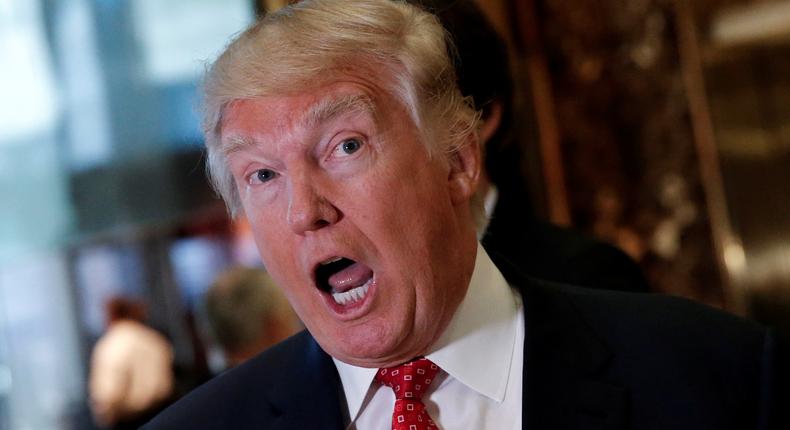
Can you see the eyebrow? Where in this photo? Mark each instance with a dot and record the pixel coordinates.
(322, 111)
(235, 143)
(328, 109)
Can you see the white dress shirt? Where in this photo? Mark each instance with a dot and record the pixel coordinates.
(131, 371)
(481, 357)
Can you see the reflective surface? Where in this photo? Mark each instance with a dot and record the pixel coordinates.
(100, 149)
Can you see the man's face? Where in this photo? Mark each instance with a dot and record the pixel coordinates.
(370, 237)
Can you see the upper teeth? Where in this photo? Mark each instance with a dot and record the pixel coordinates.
(352, 295)
(331, 260)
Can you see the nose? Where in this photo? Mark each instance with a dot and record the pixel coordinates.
(308, 209)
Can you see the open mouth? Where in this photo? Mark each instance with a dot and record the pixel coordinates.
(346, 280)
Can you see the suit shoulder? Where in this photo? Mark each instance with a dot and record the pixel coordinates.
(238, 394)
(660, 313)
(656, 326)
(672, 351)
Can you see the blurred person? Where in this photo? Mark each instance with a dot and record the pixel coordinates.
(247, 313)
(131, 374)
(515, 237)
(337, 128)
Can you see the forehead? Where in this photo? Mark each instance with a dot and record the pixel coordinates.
(259, 119)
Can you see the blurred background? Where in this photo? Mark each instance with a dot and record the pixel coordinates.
(659, 126)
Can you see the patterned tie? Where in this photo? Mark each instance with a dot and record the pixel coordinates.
(409, 381)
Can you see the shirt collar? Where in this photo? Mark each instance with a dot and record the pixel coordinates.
(489, 204)
(490, 200)
(485, 321)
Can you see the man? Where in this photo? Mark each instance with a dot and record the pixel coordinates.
(247, 313)
(336, 126)
(515, 237)
(131, 375)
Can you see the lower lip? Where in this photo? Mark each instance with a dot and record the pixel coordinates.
(352, 310)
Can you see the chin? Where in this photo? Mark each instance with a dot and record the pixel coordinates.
(366, 348)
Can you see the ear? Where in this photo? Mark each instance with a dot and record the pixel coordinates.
(490, 122)
(465, 170)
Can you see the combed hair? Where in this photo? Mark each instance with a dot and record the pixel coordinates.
(313, 42)
(239, 302)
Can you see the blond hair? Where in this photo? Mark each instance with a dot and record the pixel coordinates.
(240, 301)
(309, 43)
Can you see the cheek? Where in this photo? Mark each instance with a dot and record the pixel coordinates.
(416, 200)
(258, 199)
(275, 248)
(285, 272)
(265, 213)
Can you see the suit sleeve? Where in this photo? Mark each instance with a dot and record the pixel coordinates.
(775, 383)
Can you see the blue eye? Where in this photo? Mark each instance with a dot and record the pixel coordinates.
(350, 146)
(265, 175)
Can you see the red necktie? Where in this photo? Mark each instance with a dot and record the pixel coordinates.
(409, 381)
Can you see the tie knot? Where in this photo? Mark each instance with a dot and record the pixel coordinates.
(409, 380)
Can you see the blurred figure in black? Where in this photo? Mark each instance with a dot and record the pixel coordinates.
(248, 313)
(515, 239)
(131, 376)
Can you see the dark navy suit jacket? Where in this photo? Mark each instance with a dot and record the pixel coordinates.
(517, 239)
(592, 360)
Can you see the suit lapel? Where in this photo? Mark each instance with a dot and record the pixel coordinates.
(563, 362)
(563, 359)
(314, 398)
